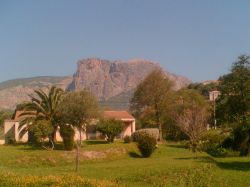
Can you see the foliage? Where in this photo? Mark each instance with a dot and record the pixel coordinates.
(78, 109)
(67, 133)
(234, 102)
(191, 115)
(4, 114)
(174, 133)
(204, 89)
(127, 139)
(153, 132)
(212, 142)
(238, 139)
(146, 144)
(40, 130)
(233, 106)
(151, 96)
(110, 128)
(43, 106)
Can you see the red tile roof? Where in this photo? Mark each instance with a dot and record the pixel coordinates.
(118, 115)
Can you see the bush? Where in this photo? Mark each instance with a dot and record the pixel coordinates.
(173, 132)
(11, 140)
(228, 142)
(39, 131)
(153, 132)
(110, 128)
(67, 133)
(146, 145)
(127, 139)
(212, 143)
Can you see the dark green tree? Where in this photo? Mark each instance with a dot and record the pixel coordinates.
(150, 98)
(234, 103)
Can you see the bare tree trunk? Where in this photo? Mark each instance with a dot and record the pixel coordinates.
(80, 132)
(160, 132)
(77, 157)
(248, 146)
(52, 144)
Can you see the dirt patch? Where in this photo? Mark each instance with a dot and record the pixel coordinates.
(92, 155)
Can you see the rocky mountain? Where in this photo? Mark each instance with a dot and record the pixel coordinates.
(112, 82)
(107, 79)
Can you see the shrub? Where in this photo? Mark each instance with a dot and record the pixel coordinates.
(11, 140)
(212, 143)
(110, 128)
(146, 145)
(127, 139)
(228, 142)
(67, 133)
(173, 132)
(153, 132)
(40, 130)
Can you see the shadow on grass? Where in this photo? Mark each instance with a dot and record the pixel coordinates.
(29, 147)
(95, 142)
(134, 154)
(177, 146)
(197, 158)
(240, 166)
(228, 165)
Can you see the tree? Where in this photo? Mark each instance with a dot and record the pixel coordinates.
(234, 102)
(150, 97)
(110, 128)
(43, 106)
(191, 115)
(78, 109)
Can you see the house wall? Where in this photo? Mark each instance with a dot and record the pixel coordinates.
(129, 127)
(11, 131)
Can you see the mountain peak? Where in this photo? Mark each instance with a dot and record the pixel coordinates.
(109, 78)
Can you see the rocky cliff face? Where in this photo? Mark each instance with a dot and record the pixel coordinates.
(112, 82)
(107, 79)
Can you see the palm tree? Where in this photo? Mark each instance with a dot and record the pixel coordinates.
(42, 107)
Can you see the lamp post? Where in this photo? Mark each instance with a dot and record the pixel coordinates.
(213, 95)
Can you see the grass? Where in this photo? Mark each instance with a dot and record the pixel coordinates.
(119, 163)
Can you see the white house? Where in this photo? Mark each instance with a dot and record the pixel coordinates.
(12, 132)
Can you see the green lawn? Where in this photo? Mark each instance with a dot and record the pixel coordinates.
(170, 165)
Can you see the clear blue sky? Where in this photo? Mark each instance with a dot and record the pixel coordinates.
(197, 39)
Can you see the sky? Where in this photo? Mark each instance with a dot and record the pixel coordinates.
(196, 39)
